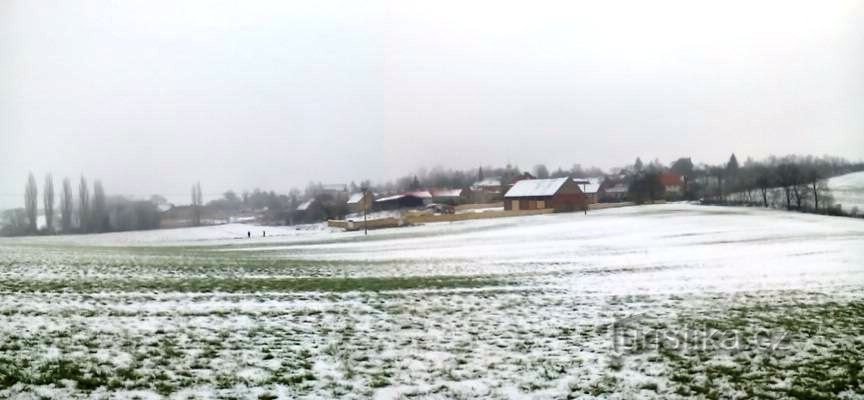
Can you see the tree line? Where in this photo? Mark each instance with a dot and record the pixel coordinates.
(78, 214)
(790, 182)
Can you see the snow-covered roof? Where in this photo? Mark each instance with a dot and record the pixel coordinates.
(446, 192)
(305, 205)
(493, 181)
(423, 194)
(536, 187)
(389, 198)
(588, 185)
(355, 198)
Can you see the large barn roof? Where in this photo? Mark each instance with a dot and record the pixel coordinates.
(536, 187)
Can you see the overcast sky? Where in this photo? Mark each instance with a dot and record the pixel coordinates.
(151, 96)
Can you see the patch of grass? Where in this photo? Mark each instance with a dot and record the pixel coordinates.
(246, 285)
(832, 366)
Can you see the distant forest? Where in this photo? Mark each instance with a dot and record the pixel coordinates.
(792, 182)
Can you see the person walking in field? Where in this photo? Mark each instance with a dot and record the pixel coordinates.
(263, 233)
(248, 235)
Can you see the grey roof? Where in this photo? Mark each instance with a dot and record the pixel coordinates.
(536, 187)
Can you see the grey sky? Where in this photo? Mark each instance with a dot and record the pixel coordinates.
(151, 96)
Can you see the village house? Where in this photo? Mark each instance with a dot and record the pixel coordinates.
(560, 194)
(673, 183)
(487, 190)
(308, 211)
(613, 190)
(360, 201)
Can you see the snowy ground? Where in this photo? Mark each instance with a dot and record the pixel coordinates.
(848, 190)
(666, 301)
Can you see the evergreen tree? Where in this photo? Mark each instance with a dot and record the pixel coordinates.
(732, 173)
(31, 202)
(48, 202)
(83, 205)
(66, 206)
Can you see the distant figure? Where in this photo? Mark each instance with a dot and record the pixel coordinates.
(249, 234)
(264, 233)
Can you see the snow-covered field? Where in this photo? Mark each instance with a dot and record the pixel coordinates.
(665, 301)
(848, 190)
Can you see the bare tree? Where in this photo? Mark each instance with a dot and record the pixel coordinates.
(83, 206)
(31, 202)
(764, 181)
(48, 202)
(66, 206)
(813, 176)
(787, 177)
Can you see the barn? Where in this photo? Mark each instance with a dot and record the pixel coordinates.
(360, 201)
(450, 196)
(560, 194)
(414, 199)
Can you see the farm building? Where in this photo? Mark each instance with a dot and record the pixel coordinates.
(405, 200)
(360, 201)
(450, 196)
(589, 187)
(487, 190)
(612, 191)
(308, 211)
(561, 194)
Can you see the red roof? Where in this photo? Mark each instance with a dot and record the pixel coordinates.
(671, 179)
